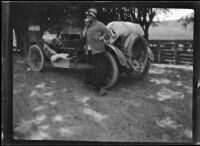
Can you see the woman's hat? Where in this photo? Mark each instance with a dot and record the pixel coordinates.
(92, 12)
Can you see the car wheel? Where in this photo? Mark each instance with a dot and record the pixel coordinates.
(36, 58)
(111, 71)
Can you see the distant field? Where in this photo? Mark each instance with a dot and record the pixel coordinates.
(171, 30)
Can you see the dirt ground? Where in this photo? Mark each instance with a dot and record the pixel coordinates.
(56, 105)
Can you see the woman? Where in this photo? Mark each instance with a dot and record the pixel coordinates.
(96, 34)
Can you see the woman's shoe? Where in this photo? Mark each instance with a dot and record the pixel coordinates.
(102, 92)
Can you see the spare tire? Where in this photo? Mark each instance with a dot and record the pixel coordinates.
(137, 45)
(137, 49)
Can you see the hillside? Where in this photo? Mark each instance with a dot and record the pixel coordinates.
(170, 30)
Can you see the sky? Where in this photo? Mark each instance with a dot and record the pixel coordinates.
(174, 14)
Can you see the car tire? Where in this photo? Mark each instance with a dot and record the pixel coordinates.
(36, 58)
(114, 73)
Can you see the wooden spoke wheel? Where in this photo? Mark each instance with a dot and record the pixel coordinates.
(36, 58)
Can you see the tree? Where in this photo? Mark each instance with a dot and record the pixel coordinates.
(59, 15)
(22, 16)
(49, 17)
(189, 19)
(142, 16)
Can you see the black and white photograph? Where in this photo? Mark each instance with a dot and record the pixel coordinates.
(100, 71)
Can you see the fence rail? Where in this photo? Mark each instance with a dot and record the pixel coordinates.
(172, 51)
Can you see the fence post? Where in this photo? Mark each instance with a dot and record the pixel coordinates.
(159, 52)
(175, 54)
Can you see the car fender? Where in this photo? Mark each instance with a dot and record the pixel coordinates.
(119, 54)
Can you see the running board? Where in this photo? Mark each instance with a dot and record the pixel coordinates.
(68, 63)
(61, 63)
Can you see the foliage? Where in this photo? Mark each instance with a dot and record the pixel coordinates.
(189, 19)
(59, 16)
(142, 16)
(55, 17)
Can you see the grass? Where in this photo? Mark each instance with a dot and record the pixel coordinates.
(56, 105)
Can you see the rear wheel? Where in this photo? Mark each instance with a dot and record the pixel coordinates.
(36, 58)
(111, 74)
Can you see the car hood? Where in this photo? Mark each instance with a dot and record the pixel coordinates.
(67, 30)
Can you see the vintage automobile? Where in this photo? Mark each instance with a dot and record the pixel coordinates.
(127, 51)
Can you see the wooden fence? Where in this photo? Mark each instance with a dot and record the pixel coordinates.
(172, 51)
